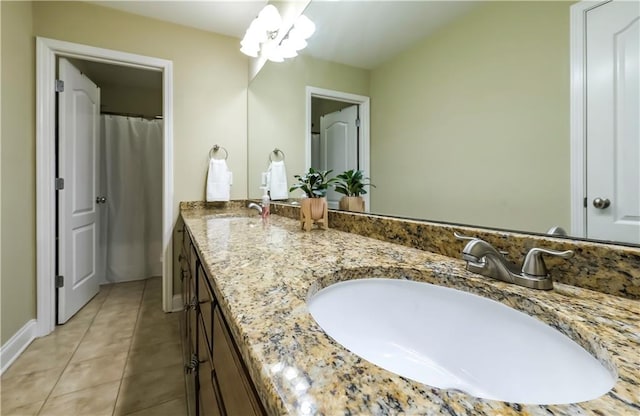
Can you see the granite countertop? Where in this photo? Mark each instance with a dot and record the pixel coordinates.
(262, 274)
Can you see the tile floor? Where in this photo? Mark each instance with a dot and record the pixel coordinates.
(119, 355)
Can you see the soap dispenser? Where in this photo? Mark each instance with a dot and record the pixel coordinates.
(266, 202)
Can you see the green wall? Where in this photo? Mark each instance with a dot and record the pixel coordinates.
(471, 125)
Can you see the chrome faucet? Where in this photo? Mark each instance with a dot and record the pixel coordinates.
(253, 205)
(484, 259)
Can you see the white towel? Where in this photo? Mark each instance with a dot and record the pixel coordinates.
(219, 180)
(277, 180)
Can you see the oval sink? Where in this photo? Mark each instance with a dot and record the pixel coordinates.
(451, 339)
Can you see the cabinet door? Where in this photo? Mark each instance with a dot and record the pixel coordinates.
(206, 301)
(207, 398)
(237, 393)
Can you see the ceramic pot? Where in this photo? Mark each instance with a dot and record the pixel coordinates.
(313, 211)
(352, 203)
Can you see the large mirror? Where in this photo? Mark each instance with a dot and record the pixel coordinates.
(469, 108)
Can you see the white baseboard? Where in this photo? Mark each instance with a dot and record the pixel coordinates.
(12, 349)
(176, 303)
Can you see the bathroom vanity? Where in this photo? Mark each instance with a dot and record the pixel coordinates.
(254, 348)
(216, 376)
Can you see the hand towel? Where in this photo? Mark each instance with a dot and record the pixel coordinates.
(277, 180)
(219, 180)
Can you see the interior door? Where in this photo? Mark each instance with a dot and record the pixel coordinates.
(339, 145)
(613, 117)
(78, 130)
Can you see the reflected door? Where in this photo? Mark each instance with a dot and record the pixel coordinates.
(339, 145)
(613, 117)
(78, 129)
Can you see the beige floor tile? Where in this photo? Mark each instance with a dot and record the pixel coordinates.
(73, 328)
(153, 333)
(88, 373)
(30, 409)
(41, 357)
(129, 287)
(113, 325)
(111, 308)
(100, 346)
(94, 401)
(123, 299)
(116, 318)
(24, 389)
(149, 302)
(176, 407)
(145, 390)
(61, 339)
(153, 309)
(153, 357)
(150, 318)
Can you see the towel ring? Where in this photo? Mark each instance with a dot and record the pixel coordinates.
(215, 149)
(275, 152)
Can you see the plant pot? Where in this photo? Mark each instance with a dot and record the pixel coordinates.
(352, 203)
(313, 211)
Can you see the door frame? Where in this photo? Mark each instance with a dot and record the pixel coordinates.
(364, 153)
(578, 116)
(47, 50)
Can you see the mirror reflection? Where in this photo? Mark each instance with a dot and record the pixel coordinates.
(469, 111)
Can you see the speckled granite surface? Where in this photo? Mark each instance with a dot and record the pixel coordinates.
(612, 269)
(263, 272)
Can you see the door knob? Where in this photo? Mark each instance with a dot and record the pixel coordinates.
(101, 200)
(601, 203)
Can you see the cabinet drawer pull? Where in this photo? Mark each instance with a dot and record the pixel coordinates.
(192, 365)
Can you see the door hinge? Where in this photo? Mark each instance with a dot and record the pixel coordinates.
(59, 184)
(59, 85)
(357, 122)
(584, 201)
(59, 281)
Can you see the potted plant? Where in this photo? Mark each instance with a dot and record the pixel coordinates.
(313, 208)
(351, 184)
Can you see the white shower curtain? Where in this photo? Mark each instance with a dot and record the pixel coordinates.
(132, 183)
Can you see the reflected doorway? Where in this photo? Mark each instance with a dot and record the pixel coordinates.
(337, 136)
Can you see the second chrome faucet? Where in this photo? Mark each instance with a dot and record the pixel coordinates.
(484, 259)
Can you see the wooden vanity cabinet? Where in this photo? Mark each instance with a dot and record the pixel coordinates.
(217, 380)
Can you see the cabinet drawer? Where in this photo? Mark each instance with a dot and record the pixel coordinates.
(236, 392)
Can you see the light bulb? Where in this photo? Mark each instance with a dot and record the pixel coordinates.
(295, 41)
(270, 18)
(304, 26)
(287, 50)
(275, 56)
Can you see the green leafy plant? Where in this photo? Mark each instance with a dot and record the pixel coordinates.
(352, 183)
(314, 183)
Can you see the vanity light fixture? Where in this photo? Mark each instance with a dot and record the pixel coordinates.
(260, 38)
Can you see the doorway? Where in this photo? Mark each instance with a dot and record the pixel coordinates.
(109, 211)
(605, 134)
(337, 134)
(47, 53)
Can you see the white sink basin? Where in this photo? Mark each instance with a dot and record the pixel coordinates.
(451, 339)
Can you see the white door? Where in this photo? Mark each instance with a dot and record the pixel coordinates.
(78, 130)
(613, 117)
(339, 145)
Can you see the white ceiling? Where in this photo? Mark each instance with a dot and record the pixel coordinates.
(230, 17)
(366, 33)
(358, 32)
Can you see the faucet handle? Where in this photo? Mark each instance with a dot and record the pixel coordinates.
(463, 237)
(533, 264)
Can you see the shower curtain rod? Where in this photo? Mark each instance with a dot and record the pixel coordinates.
(113, 113)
